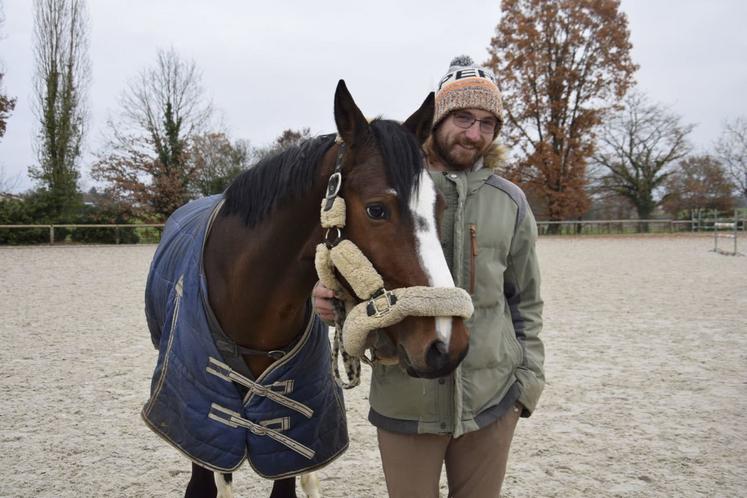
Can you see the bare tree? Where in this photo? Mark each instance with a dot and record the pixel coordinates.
(637, 148)
(60, 85)
(561, 66)
(731, 148)
(146, 161)
(217, 161)
(287, 138)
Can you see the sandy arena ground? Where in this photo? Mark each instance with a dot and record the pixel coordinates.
(646, 343)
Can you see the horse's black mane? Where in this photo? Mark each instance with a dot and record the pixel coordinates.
(256, 192)
(282, 176)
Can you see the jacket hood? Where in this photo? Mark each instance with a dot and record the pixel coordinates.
(495, 157)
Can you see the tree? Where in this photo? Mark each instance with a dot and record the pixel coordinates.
(699, 183)
(61, 81)
(562, 65)
(146, 161)
(637, 148)
(731, 148)
(6, 107)
(217, 161)
(6, 103)
(287, 138)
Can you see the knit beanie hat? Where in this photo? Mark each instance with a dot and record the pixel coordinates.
(467, 86)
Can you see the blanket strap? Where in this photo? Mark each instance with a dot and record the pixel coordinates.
(234, 419)
(223, 371)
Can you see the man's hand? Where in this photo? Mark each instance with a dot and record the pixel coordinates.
(322, 298)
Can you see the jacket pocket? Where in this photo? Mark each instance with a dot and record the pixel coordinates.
(472, 257)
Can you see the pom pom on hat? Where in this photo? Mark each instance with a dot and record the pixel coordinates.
(467, 86)
(461, 61)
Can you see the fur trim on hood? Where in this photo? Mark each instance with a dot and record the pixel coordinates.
(495, 157)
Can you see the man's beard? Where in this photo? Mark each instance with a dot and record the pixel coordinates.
(456, 157)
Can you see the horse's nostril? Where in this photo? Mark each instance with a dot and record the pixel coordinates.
(437, 356)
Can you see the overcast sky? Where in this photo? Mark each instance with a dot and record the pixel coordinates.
(268, 66)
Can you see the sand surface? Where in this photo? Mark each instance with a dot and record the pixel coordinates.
(646, 343)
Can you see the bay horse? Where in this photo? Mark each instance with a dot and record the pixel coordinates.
(241, 265)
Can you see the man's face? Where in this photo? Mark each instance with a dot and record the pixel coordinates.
(461, 144)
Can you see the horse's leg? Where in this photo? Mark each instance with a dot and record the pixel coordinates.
(223, 483)
(310, 485)
(202, 484)
(284, 488)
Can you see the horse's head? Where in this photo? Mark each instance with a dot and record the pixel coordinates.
(392, 208)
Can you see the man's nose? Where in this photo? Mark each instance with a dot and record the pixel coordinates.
(473, 132)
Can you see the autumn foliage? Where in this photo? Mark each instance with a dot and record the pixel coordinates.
(561, 66)
(701, 182)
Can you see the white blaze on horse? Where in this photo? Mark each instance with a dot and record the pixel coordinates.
(243, 371)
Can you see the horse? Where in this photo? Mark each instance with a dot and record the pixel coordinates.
(242, 266)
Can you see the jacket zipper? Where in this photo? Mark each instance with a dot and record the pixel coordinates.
(472, 257)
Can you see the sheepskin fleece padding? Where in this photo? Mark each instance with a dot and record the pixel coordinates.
(411, 301)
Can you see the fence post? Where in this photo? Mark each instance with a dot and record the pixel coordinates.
(116, 232)
(51, 235)
(736, 226)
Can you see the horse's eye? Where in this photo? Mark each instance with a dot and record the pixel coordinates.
(377, 212)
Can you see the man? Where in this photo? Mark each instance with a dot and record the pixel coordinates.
(488, 232)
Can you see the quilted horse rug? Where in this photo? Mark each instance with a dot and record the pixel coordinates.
(203, 400)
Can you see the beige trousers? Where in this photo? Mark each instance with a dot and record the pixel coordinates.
(475, 462)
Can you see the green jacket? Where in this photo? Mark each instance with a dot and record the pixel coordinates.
(488, 234)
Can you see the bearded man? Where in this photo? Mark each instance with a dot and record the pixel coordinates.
(466, 420)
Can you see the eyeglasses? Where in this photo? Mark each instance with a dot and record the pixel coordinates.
(466, 120)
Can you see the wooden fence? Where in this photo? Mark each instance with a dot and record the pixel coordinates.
(115, 227)
(581, 227)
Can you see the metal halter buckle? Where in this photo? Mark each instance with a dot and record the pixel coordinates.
(332, 242)
(333, 185)
(333, 188)
(380, 303)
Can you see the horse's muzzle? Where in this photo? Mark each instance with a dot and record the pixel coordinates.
(438, 362)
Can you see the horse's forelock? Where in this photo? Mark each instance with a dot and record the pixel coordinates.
(402, 156)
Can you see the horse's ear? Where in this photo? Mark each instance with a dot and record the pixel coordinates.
(351, 123)
(421, 121)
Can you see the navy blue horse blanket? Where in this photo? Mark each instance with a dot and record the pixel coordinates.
(289, 420)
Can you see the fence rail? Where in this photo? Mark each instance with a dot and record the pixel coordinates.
(579, 227)
(601, 227)
(115, 226)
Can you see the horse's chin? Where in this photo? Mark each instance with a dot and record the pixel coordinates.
(429, 373)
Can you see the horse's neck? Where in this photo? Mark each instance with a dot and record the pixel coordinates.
(260, 278)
